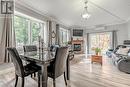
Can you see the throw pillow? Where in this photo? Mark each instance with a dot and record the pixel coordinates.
(123, 51)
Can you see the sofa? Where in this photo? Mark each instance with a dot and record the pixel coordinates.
(121, 60)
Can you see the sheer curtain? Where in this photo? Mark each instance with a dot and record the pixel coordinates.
(7, 38)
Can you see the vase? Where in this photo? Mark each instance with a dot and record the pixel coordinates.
(96, 53)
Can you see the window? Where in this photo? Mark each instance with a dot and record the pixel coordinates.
(36, 27)
(64, 36)
(101, 40)
(21, 30)
(27, 30)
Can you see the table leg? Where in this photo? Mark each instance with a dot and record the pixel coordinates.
(44, 75)
(68, 69)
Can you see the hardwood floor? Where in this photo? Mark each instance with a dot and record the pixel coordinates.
(83, 74)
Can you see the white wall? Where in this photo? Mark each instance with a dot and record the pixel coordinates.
(122, 31)
(54, 29)
(128, 26)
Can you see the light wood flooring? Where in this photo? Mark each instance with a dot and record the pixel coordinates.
(83, 74)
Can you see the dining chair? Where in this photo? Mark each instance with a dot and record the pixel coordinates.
(54, 48)
(58, 66)
(21, 70)
(30, 48)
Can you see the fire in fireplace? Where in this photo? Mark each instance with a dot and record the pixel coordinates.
(77, 47)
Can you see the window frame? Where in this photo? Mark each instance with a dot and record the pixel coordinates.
(61, 33)
(99, 34)
(29, 29)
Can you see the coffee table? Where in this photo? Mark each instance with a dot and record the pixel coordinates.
(96, 58)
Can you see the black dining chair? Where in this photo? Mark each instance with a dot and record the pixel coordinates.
(30, 48)
(53, 48)
(20, 70)
(58, 66)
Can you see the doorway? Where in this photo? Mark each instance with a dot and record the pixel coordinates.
(101, 40)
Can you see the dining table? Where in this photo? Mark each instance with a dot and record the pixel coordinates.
(44, 59)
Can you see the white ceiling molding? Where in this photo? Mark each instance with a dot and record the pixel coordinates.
(23, 6)
(68, 12)
(97, 26)
(100, 28)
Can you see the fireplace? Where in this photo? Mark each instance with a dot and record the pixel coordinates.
(77, 47)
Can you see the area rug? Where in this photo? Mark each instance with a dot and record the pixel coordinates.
(77, 59)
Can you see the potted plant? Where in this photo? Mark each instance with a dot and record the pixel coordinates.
(69, 42)
(97, 50)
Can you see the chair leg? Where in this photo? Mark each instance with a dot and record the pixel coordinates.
(22, 82)
(34, 74)
(31, 75)
(39, 79)
(16, 80)
(65, 79)
(54, 83)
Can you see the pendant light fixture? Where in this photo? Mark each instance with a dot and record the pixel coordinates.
(86, 14)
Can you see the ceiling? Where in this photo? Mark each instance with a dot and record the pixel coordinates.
(103, 12)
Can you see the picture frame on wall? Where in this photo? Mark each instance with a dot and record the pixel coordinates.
(7, 7)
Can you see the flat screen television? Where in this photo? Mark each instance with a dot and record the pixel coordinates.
(77, 32)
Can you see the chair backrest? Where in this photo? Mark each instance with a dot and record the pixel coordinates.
(30, 48)
(60, 61)
(19, 69)
(54, 47)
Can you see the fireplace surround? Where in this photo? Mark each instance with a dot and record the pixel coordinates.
(77, 47)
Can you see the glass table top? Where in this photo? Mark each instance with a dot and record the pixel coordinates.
(38, 56)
